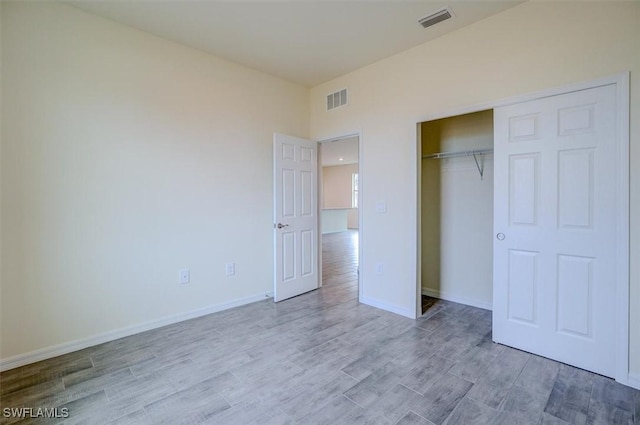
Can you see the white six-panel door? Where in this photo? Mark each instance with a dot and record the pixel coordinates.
(295, 216)
(555, 228)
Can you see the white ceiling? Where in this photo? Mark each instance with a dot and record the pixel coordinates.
(304, 41)
(339, 152)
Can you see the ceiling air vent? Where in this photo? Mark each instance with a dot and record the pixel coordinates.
(437, 16)
(337, 99)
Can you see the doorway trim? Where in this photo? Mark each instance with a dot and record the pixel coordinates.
(347, 135)
(622, 286)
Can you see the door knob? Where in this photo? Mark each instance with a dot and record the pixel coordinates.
(280, 225)
(500, 236)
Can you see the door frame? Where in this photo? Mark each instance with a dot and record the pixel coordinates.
(357, 134)
(622, 285)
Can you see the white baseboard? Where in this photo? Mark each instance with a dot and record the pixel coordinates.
(457, 299)
(633, 380)
(68, 347)
(388, 307)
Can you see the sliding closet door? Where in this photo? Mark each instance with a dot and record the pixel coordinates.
(555, 228)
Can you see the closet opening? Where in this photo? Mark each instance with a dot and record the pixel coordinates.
(456, 210)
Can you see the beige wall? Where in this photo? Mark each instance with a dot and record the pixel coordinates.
(457, 211)
(336, 190)
(125, 158)
(531, 47)
(336, 185)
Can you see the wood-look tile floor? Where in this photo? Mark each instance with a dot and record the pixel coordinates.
(320, 358)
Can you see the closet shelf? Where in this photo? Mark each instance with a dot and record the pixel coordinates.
(475, 153)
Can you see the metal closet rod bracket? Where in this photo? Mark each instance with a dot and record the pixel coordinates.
(475, 153)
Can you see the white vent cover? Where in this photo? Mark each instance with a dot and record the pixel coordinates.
(337, 99)
(437, 16)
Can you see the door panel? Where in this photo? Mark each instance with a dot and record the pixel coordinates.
(523, 187)
(575, 277)
(554, 270)
(307, 247)
(523, 128)
(288, 193)
(288, 257)
(522, 286)
(575, 187)
(295, 216)
(307, 193)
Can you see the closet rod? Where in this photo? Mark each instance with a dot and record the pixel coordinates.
(441, 155)
(475, 153)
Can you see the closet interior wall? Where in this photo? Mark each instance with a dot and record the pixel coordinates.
(457, 210)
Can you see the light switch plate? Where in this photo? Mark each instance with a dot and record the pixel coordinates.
(381, 207)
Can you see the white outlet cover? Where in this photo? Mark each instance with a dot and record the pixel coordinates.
(381, 207)
(184, 276)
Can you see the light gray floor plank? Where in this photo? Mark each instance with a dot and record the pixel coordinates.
(608, 391)
(139, 417)
(476, 361)
(512, 418)
(442, 398)
(389, 408)
(539, 375)
(548, 419)
(193, 405)
(250, 413)
(470, 411)
(331, 413)
(41, 372)
(413, 419)
(494, 385)
(89, 380)
(141, 391)
(606, 414)
(263, 386)
(521, 400)
(83, 409)
(427, 373)
(569, 399)
(304, 403)
(371, 388)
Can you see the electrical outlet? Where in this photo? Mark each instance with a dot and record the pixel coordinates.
(230, 269)
(184, 276)
(380, 268)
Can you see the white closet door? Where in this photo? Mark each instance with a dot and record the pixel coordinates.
(555, 225)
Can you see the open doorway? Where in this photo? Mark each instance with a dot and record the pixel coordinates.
(339, 198)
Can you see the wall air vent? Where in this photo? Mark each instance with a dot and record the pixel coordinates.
(337, 99)
(437, 16)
